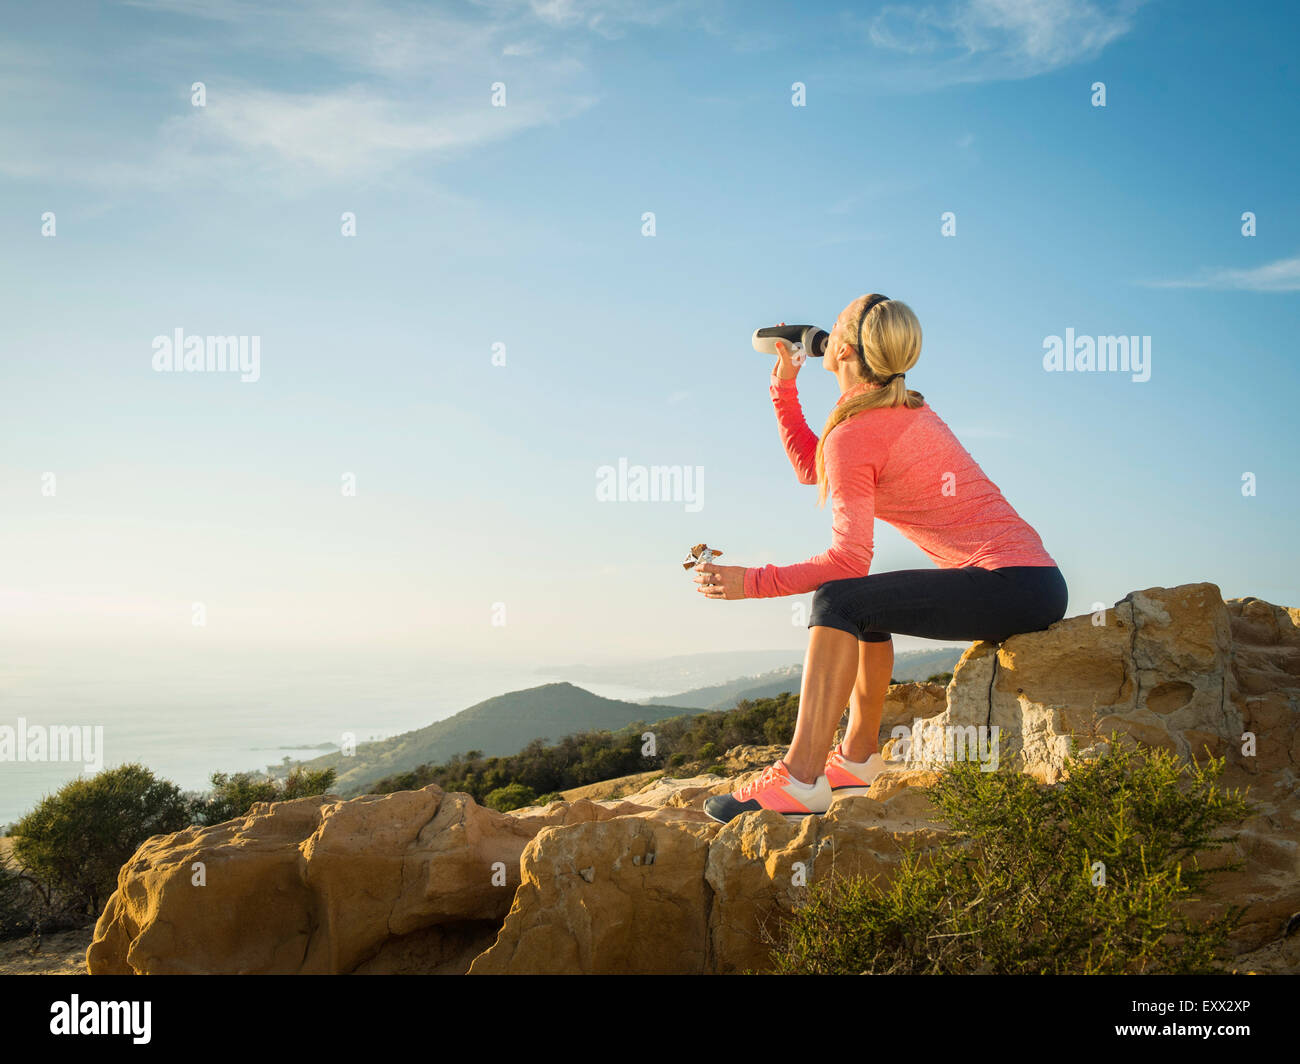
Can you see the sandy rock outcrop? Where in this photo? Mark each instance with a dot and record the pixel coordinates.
(409, 881)
(422, 881)
(1157, 666)
(673, 891)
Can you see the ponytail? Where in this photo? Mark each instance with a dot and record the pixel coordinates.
(889, 344)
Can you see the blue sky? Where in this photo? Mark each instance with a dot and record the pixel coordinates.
(522, 225)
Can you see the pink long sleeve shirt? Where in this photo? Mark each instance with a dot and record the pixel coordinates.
(907, 468)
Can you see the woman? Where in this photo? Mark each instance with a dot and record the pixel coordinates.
(885, 453)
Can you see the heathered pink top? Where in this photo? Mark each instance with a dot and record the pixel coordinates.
(907, 468)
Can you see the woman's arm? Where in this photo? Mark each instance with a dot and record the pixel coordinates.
(799, 440)
(851, 474)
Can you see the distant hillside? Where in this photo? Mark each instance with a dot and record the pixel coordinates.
(499, 726)
(685, 745)
(681, 671)
(726, 695)
(920, 664)
(908, 666)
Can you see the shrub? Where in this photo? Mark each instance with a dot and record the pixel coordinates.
(77, 838)
(1018, 890)
(234, 795)
(512, 796)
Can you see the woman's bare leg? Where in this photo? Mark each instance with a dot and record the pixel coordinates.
(829, 670)
(867, 703)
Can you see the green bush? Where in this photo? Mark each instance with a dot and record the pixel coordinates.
(1019, 892)
(234, 795)
(512, 796)
(76, 839)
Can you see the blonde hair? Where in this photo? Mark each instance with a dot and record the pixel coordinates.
(890, 343)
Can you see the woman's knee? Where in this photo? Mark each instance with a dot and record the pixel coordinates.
(841, 604)
(830, 606)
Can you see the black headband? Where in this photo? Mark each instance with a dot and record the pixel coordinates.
(866, 309)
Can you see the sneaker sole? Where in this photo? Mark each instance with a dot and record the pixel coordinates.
(849, 792)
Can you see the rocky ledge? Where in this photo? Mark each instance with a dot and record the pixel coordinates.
(430, 882)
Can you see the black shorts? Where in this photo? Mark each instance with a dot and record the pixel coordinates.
(952, 604)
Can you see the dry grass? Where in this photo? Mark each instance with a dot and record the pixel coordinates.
(61, 953)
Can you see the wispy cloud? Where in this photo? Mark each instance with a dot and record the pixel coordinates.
(302, 93)
(1280, 276)
(612, 18)
(304, 130)
(996, 40)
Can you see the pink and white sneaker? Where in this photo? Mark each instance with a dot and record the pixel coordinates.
(852, 777)
(775, 789)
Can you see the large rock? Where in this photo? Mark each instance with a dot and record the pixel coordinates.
(670, 890)
(629, 898)
(422, 881)
(1158, 667)
(409, 881)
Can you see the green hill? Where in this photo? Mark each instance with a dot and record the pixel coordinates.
(686, 745)
(497, 727)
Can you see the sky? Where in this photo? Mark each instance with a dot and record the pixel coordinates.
(415, 465)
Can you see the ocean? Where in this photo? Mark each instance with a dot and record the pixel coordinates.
(185, 717)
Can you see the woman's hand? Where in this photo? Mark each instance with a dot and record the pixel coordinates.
(787, 368)
(720, 581)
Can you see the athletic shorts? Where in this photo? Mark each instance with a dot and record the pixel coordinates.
(964, 604)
